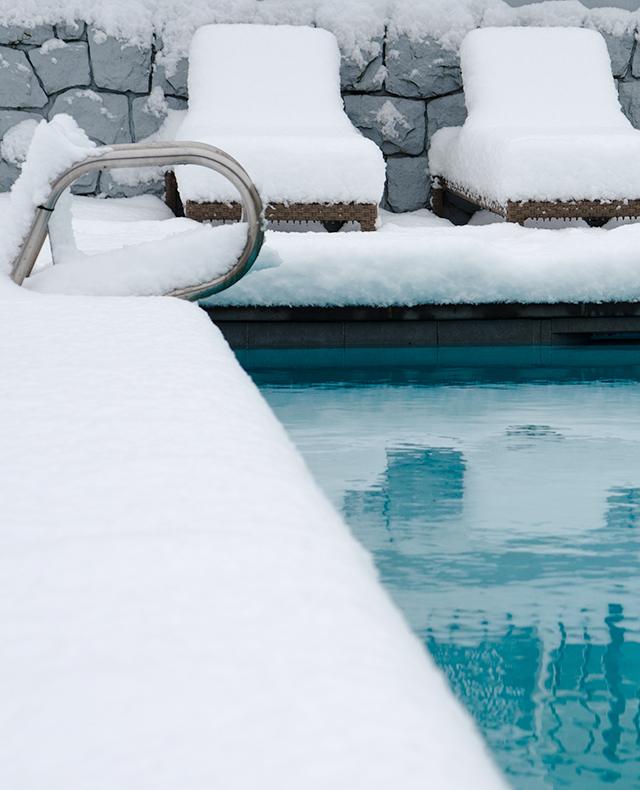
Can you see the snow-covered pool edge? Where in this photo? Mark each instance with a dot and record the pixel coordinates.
(180, 604)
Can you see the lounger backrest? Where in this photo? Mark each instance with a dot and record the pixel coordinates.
(541, 78)
(265, 79)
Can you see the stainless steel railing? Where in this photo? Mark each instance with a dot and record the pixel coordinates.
(157, 155)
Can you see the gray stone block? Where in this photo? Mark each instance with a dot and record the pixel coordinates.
(9, 118)
(110, 187)
(408, 183)
(364, 73)
(16, 34)
(86, 184)
(103, 116)
(19, 86)
(175, 84)
(8, 174)
(117, 65)
(630, 101)
(71, 31)
(421, 68)
(635, 63)
(147, 119)
(61, 65)
(395, 125)
(620, 52)
(445, 111)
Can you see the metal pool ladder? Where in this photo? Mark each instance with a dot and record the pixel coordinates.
(157, 155)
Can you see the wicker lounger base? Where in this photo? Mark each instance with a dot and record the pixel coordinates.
(364, 213)
(595, 212)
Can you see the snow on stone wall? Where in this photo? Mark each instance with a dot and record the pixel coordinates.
(401, 79)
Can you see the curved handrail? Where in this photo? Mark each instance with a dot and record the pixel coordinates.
(157, 155)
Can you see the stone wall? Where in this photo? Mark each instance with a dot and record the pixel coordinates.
(398, 96)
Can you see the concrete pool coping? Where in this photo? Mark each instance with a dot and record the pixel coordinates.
(166, 547)
(428, 325)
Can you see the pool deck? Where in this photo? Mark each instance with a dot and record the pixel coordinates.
(428, 325)
(180, 605)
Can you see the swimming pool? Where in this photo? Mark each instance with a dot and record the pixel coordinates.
(499, 493)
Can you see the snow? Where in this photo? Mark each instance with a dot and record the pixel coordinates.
(137, 176)
(563, 13)
(156, 104)
(312, 154)
(415, 258)
(180, 259)
(430, 261)
(530, 93)
(51, 45)
(357, 24)
(391, 121)
(16, 141)
(180, 606)
(531, 135)
(54, 147)
(184, 257)
(91, 239)
(91, 212)
(442, 20)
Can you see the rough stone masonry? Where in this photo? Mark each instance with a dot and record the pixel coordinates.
(117, 92)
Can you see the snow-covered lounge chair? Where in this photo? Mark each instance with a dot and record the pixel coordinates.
(270, 96)
(545, 136)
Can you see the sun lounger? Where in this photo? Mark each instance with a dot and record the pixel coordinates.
(545, 136)
(270, 96)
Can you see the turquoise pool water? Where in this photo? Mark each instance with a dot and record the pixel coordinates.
(499, 492)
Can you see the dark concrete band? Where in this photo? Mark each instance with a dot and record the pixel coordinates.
(429, 325)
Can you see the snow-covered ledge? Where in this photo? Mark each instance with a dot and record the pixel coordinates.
(120, 68)
(180, 606)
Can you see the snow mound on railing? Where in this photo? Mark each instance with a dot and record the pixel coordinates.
(172, 258)
(197, 254)
(56, 145)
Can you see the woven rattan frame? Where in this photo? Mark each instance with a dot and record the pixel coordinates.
(364, 213)
(598, 210)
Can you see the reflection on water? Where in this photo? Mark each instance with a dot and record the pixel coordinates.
(623, 507)
(503, 512)
(413, 476)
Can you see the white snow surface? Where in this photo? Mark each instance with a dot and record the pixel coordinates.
(180, 606)
(54, 146)
(532, 134)
(51, 45)
(16, 141)
(288, 129)
(413, 259)
(357, 24)
(419, 259)
(92, 240)
(181, 254)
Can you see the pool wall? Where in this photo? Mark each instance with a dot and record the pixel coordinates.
(429, 325)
